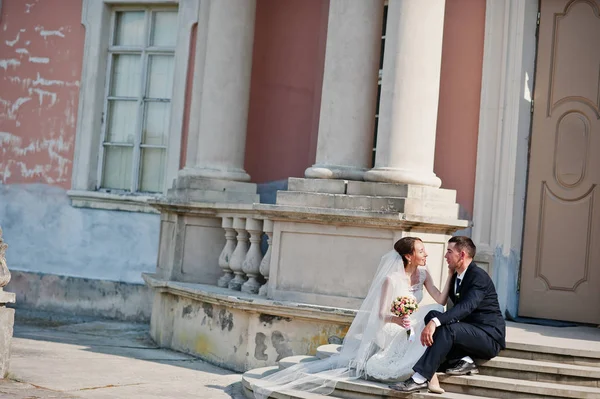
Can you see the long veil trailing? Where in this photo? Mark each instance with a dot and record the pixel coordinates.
(360, 343)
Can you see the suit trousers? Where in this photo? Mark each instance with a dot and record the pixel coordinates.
(451, 342)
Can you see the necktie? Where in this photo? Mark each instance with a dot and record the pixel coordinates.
(458, 280)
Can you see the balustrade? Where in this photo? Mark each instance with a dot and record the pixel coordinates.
(242, 261)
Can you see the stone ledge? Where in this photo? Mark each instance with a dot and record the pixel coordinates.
(242, 301)
(355, 217)
(7, 297)
(111, 201)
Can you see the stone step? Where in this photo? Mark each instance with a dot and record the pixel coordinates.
(292, 360)
(552, 354)
(359, 389)
(536, 370)
(324, 351)
(412, 206)
(499, 387)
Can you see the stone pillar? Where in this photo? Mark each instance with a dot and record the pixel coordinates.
(409, 95)
(346, 125)
(251, 265)
(7, 315)
(227, 224)
(265, 265)
(222, 90)
(239, 254)
(216, 145)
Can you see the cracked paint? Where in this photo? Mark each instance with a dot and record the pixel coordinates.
(42, 51)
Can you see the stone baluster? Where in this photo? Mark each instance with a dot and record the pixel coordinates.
(251, 265)
(266, 262)
(228, 249)
(239, 254)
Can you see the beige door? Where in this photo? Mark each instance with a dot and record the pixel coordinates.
(560, 274)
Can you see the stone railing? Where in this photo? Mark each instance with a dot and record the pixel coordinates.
(244, 267)
(7, 315)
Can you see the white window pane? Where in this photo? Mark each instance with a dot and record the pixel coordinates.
(164, 28)
(117, 168)
(152, 169)
(121, 121)
(130, 28)
(125, 79)
(160, 76)
(156, 125)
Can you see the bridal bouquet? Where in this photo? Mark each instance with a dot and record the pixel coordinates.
(404, 306)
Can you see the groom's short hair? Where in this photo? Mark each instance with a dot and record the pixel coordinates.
(464, 243)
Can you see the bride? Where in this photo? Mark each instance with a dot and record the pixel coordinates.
(379, 345)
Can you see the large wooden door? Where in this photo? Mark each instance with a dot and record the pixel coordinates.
(560, 275)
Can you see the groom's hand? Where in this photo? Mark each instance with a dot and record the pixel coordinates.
(427, 334)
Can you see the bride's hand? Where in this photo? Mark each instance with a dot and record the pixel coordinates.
(405, 322)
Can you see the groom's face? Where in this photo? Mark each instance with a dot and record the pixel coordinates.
(453, 257)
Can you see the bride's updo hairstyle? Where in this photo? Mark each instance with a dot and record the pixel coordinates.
(406, 246)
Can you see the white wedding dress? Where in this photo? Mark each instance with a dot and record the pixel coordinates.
(398, 354)
(372, 348)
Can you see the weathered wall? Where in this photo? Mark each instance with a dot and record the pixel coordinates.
(46, 234)
(234, 338)
(285, 97)
(460, 91)
(41, 49)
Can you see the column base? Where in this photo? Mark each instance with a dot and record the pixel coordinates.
(209, 173)
(408, 199)
(318, 171)
(402, 176)
(188, 187)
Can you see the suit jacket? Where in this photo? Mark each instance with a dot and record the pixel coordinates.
(476, 303)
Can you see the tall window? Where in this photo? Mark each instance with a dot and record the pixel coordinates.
(138, 100)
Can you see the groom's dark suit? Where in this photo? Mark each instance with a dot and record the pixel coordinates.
(473, 327)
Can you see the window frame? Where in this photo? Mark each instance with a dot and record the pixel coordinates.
(96, 19)
(145, 52)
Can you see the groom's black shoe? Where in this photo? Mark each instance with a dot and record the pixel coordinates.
(408, 386)
(463, 367)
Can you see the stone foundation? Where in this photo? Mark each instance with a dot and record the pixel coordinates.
(81, 296)
(239, 331)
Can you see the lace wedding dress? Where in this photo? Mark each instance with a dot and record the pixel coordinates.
(372, 347)
(398, 353)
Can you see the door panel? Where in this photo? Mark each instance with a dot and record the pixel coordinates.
(560, 275)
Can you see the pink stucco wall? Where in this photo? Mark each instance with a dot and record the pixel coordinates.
(285, 99)
(458, 114)
(41, 49)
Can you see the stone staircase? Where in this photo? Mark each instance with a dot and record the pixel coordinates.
(530, 368)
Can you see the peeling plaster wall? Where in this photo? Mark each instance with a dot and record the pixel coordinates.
(46, 234)
(41, 50)
(85, 261)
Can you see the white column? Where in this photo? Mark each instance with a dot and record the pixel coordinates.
(409, 95)
(344, 147)
(221, 92)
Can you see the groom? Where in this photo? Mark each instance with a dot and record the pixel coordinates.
(473, 328)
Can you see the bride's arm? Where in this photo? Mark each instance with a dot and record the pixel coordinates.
(439, 297)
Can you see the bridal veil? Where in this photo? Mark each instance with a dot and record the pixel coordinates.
(360, 343)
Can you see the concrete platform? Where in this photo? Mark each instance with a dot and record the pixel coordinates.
(102, 359)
